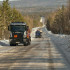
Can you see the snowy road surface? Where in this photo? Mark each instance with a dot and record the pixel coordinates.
(42, 54)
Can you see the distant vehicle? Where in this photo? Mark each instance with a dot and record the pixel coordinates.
(19, 33)
(38, 34)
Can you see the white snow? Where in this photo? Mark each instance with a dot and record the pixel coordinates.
(62, 42)
(5, 41)
(33, 33)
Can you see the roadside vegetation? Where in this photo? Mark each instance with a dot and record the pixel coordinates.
(59, 21)
(8, 15)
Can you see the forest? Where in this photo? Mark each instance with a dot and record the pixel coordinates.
(8, 15)
(59, 21)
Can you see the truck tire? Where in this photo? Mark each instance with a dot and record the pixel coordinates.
(25, 44)
(12, 44)
(29, 42)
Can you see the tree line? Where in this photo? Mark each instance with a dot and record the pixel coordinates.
(8, 15)
(59, 21)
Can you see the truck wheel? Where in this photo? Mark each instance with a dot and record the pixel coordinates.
(29, 42)
(12, 44)
(25, 44)
(16, 44)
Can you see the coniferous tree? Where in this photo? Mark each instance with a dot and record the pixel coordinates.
(48, 24)
(8, 15)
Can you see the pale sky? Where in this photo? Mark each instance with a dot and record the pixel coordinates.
(10, 0)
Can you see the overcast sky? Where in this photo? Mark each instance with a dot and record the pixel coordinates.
(10, 0)
(30, 3)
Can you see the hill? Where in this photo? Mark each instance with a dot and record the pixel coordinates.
(31, 3)
(33, 6)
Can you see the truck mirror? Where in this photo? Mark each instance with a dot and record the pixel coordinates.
(27, 27)
(9, 28)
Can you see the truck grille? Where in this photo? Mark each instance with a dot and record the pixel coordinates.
(18, 37)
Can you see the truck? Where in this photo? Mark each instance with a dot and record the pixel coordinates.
(18, 34)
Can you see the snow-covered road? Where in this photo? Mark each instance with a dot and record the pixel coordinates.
(52, 52)
(62, 43)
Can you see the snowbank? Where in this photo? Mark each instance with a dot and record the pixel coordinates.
(62, 42)
(4, 43)
(33, 32)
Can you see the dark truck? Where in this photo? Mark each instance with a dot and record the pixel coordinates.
(18, 34)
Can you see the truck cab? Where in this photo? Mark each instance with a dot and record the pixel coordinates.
(18, 34)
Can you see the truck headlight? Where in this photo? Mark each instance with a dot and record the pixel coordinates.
(10, 34)
(24, 34)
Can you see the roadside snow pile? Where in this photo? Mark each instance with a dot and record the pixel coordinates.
(33, 33)
(62, 42)
(49, 32)
(4, 43)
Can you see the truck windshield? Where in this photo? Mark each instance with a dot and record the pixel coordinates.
(18, 28)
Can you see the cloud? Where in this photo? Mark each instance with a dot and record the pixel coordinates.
(11, 0)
